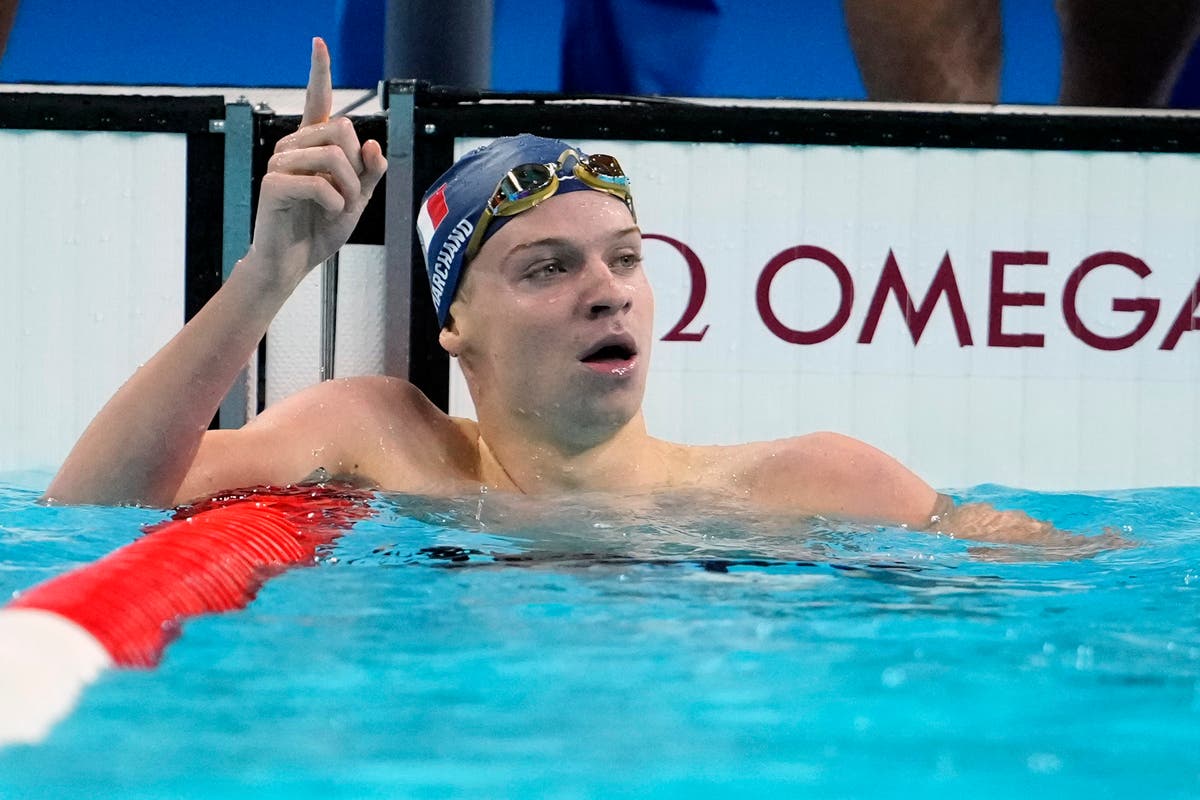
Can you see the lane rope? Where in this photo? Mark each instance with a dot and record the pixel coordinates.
(125, 608)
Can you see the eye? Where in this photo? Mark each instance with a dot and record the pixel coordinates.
(627, 261)
(543, 270)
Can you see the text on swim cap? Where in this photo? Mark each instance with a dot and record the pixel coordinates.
(458, 237)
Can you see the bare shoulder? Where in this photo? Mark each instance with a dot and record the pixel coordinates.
(395, 401)
(833, 475)
(376, 419)
(348, 402)
(367, 388)
(375, 431)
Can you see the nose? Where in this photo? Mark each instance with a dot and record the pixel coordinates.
(606, 292)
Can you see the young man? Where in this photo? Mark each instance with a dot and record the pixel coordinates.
(536, 269)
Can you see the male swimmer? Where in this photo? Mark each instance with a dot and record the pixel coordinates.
(535, 261)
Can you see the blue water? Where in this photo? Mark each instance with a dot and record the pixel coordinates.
(492, 647)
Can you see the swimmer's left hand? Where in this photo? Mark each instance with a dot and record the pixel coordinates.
(985, 523)
(1072, 547)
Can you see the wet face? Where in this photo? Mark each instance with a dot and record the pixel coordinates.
(552, 323)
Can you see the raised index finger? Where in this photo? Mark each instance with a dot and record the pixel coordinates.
(318, 99)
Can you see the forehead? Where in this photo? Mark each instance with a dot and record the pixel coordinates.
(582, 217)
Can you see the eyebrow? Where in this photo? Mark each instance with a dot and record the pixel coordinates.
(558, 241)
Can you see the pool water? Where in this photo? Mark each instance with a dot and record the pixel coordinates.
(492, 647)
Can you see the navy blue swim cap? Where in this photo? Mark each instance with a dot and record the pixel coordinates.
(452, 207)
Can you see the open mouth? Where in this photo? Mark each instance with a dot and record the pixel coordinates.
(609, 353)
(613, 355)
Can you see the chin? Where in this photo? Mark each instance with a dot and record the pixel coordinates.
(597, 419)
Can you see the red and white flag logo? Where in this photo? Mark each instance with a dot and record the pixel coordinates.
(433, 211)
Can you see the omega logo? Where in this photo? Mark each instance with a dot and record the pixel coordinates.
(943, 287)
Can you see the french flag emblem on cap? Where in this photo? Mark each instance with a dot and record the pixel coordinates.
(433, 211)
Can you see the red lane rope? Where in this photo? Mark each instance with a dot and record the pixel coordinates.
(210, 557)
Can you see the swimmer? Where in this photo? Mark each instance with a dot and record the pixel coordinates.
(544, 302)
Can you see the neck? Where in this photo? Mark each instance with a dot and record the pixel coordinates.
(630, 459)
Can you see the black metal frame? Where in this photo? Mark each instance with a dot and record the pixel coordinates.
(456, 113)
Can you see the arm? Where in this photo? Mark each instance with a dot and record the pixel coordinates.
(986, 523)
(838, 476)
(142, 444)
(832, 475)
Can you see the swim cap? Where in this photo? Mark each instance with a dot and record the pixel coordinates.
(451, 208)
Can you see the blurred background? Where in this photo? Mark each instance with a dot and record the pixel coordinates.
(741, 48)
(715, 48)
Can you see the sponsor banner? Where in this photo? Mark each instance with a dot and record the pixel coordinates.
(1021, 317)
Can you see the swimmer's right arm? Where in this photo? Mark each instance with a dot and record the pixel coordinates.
(143, 443)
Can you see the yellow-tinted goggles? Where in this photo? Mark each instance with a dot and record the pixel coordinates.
(526, 185)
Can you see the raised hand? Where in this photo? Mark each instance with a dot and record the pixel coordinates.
(317, 184)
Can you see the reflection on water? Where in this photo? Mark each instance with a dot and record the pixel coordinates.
(604, 528)
(692, 531)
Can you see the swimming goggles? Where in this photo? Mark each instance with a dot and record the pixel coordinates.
(526, 185)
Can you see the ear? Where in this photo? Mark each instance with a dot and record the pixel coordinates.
(449, 337)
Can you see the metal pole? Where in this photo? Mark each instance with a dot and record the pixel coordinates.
(445, 42)
(329, 288)
(239, 147)
(398, 234)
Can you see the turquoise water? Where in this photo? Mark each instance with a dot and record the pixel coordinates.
(491, 647)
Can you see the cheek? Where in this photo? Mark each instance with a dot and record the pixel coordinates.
(509, 341)
(645, 297)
